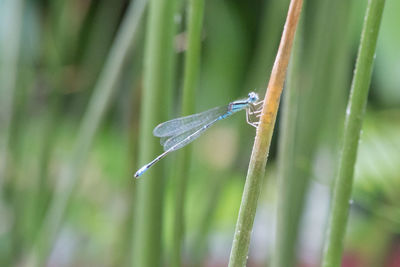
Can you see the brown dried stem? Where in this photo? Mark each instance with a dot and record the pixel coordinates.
(262, 142)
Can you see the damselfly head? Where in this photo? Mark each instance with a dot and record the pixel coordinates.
(253, 97)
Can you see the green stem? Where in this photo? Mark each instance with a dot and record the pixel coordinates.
(286, 225)
(68, 179)
(355, 113)
(262, 142)
(302, 114)
(12, 12)
(95, 39)
(273, 18)
(8, 76)
(192, 62)
(199, 250)
(157, 83)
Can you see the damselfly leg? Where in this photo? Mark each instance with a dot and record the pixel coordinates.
(253, 114)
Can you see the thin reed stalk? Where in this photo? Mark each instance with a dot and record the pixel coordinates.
(103, 90)
(157, 83)
(192, 64)
(351, 134)
(200, 244)
(9, 53)
(11, 20)
(286, 230)
(273, 19)
(262, 142)
(304, 113)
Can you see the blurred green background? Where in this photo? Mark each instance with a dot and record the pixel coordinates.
(68, 155)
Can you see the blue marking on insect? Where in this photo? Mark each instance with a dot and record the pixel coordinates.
(141, 171)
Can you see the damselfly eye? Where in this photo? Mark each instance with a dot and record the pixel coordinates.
(253, 97)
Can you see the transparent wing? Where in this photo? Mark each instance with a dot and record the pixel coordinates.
(187, 137)
(164, 139)
(181, 125)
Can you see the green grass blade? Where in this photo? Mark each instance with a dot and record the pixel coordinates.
(192, 65)
(273, 19)
(353, 123)
(90, 122)
(303, 113)
(9, 52)
(11, 20)
(158, 77)
(286, 230)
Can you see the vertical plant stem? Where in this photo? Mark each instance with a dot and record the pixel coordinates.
(286, 230)
(355, 113)
(158, 70)
(303, 113)
(338, 78)
(200, 245)
(262, 142)
(68, 179)
(192, 62)
(9, 51)
(11, 20)
(96, 38)
(273, 18)
(32, 215)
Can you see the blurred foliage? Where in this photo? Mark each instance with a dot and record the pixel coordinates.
(61, 51)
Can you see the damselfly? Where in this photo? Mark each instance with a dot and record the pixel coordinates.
(179, 132)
